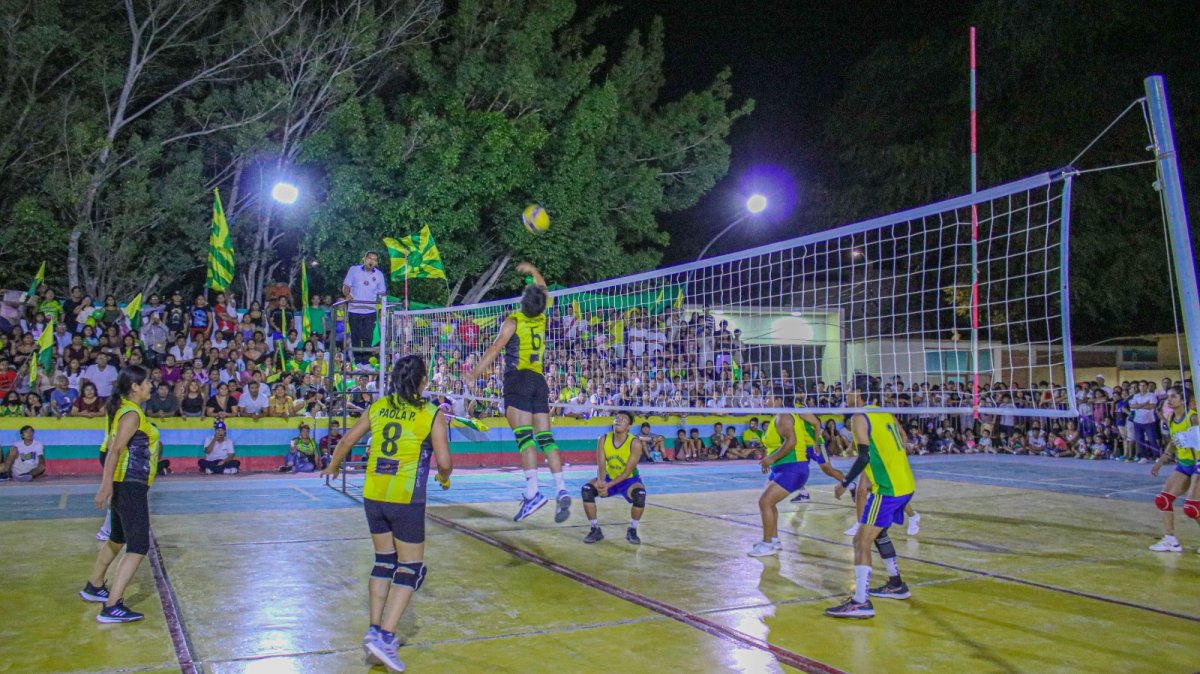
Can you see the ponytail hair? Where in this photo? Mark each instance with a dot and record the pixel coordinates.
(407, 376)
(131, 375)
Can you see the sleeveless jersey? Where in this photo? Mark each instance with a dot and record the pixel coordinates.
(617, 457)
(888, 469)
(526, 347)
(772, 441)
(1184, 455)
(401, 444)
(138, 460)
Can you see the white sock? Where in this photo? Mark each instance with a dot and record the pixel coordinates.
(862, 578)
(633, 524)
(776, 541)
(893, 566)
(531, 483)
(560, 483)
(593, 523)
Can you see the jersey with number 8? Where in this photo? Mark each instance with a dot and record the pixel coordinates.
(401, 446)
(888, 469)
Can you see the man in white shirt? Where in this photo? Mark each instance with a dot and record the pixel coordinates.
(362, 287)
(102, 375)
(1145, 425)
(182, 350)
(218, 452)
(25, 460)
(254, 401)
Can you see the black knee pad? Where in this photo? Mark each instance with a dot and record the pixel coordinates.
(638, 496)
(589, 493)
(883, 543)
(409, 574)
(385, 566)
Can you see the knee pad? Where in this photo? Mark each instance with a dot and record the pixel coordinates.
(638, 496)
(1191, 508)
(385, 566)
(1165, 501)
(545, 440)
(409, 574)
(883, 543)
(524, 436)
(589, 493)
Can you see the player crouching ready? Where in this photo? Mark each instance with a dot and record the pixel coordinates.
(617, 456)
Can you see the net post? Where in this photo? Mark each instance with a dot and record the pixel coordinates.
(974, 243)
(1171, 186)
(1064, 282)
(383, 340)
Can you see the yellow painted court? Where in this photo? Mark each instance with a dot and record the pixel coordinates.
(1022, 565)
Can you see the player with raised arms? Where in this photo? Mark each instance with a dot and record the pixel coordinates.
(406, 430)
(522, 338)
(617, 456)
(879, 439)
(1180, 423)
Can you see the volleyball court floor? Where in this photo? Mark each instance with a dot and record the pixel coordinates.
(1021, 565)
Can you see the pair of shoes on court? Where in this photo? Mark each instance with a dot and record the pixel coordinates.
(117, 613)
(1168, 544)
(765, 548)
(802, 497)
(378, 649)
(596, 535)
(864, 610)
(529, 506)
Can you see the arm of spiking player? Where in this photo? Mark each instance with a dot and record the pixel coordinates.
(441, 450)
(529, 269)
(507, 330)
(347, 442)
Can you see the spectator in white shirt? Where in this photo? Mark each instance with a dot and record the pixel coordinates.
(254, 401)
(1145, 426)
(25, 460)
(102, 375)
(219, 453)
(182, 350)
(362, 287)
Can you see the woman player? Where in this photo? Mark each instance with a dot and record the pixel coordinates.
(405, 430)
(526, 396)
(617, 456)
(1179, 422)
(131, 461)
(790, 443)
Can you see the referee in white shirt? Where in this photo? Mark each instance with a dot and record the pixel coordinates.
(363, 285)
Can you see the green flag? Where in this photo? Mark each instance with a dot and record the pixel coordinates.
(737, 370)
(305, 325)
(37, 281)
(473, 424)
(133, 312)
(220, 248)
(44, 354)
(419, 253)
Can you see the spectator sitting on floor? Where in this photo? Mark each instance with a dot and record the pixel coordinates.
(25, 460)
(752, 436)
(683, 446)
(718, 442)
(737, 450)
(654, 443)
(330, 440)
(219, 452)
(302, 455)
(254, 401)
(697, 444)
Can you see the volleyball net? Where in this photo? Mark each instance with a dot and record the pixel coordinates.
(951, 308)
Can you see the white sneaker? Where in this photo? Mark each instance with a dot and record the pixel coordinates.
(914, 524)
(102, 535)
(778, 545)
(762, 549)
(1167, 544)
(852, 531)
(231, 471)
(1142, 460)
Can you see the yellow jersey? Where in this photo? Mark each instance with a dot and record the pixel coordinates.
(401, 445)
(616, 457)
(138, 459)
(1184, 455)
(772, 440)
(888, 468)
(526, 348)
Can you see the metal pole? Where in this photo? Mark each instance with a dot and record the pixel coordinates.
(719, 235)
(383, 340)
(1182, 251)
(974, 245)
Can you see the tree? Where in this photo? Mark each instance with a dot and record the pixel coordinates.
(511, 107)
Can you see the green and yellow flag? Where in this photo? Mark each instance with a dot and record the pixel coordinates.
(679, 299)
(44, 355)
(220, 249)
(37, 281)
(305, 324)
(419, 253)
(737, 370)
(133, 312)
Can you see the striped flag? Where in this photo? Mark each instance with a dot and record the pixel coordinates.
(44, 354)
(133, 312)
(220, 248)
(37, 281)
(679, 299)
(305, 324)
(418, 253)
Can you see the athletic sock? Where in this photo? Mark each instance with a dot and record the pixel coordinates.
(560, 483)
(531, 483)
(776, 541)
(633, 524)
(593, 523)
(862, 578)
(893, 567)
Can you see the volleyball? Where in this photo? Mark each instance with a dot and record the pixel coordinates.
(536, 219)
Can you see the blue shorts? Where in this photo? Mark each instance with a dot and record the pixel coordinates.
(1188, 469)
(816, 453)
(884, 511)
(623, 487)
(790, 476)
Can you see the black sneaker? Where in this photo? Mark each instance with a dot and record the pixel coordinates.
(594, 535)
(891, 591)
(852, 609)
(118, 613)
(285, 469)
(562, 512)
(92, 593)
(632, 537)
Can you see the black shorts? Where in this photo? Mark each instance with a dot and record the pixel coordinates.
(526, 391)
(130, 517)
(404, 521)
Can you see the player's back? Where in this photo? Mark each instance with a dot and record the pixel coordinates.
(401, 446)
(888, 469)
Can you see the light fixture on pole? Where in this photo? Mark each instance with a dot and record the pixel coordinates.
(756, 204)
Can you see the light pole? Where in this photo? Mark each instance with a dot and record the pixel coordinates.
(756, 204)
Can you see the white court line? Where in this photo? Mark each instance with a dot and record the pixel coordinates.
(62, 500)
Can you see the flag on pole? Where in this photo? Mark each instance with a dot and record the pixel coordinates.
(473, 424)
(737, 370)
(419, 252)
(575, 310)
(44, 355)
(220, 248)
(679, 299)
(37, 281)
(305, 324)
(133, 312)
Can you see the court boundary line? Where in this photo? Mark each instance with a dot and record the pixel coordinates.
(783, 655)
(955, 567)
(170, 605)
